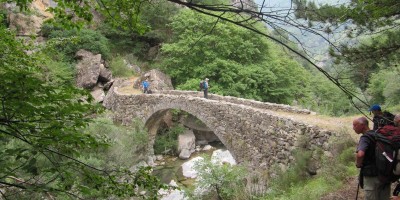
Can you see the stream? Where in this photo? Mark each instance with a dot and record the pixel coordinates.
(174, 171)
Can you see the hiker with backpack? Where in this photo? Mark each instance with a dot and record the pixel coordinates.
(204, 86)
(396, 191)
(369, 180)
(380, 118)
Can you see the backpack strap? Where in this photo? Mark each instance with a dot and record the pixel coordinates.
(371, 135)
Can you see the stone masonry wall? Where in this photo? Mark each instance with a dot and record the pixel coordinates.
(253, 135)
(249, 102)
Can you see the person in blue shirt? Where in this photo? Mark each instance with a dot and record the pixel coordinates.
(145, 86)
(205, 88)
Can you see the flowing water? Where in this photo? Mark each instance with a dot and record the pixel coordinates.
(170, 168)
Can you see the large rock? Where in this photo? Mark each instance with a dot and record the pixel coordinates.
(98, 94)
(158, 80)
(88, 69)
(186, 144)
(25, 25)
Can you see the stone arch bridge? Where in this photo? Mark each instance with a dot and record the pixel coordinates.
(250, 130)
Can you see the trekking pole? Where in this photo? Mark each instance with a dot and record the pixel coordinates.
(358, 188)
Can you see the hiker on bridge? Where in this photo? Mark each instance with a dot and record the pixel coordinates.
(205, 88)
(365, 160)
(145, 86)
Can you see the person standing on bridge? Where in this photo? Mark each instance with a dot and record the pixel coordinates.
(365, 160)
(145, 86)
(205, 88)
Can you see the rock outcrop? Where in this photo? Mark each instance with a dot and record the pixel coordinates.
(158, 80)
(27, 25)
(92, 74)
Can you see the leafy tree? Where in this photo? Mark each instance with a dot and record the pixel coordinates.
(42, 136)
(384, 87)
(237, 61)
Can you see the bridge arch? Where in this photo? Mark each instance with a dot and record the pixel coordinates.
(154, 120)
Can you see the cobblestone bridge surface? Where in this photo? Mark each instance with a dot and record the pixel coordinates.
(250, 130)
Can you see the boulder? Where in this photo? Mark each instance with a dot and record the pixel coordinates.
(185, 154)
(158, 80)
(88, 69)
(186, 144)
(98, 94)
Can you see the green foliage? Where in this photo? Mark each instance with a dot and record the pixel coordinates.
(167, 141)
(119, 67)
(127, 145)
(327, 98)
(83, 39)
(59, 72)
(222, 180)
(296, 174)
(42, 137)
(384, 87)
(124, 14)
(157, 15)
(237, 62)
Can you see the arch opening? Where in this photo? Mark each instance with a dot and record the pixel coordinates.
(179, 133)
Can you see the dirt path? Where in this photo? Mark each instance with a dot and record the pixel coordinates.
(349, 191)
(128, 88)
(337, 124)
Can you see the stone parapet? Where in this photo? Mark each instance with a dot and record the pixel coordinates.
(236, 100)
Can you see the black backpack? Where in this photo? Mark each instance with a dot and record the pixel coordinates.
(201, 86)
(387, 155)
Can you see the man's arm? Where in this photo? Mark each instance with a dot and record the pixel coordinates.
(359, 158)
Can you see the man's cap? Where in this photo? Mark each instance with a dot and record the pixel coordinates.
(375, 107)
(207, 79)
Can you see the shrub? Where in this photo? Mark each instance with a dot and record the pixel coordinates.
(119, 67)
(59, 72)
(128, 143)
(86, 39)
(222, 180)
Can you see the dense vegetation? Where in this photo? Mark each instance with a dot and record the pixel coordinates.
(55, 144)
